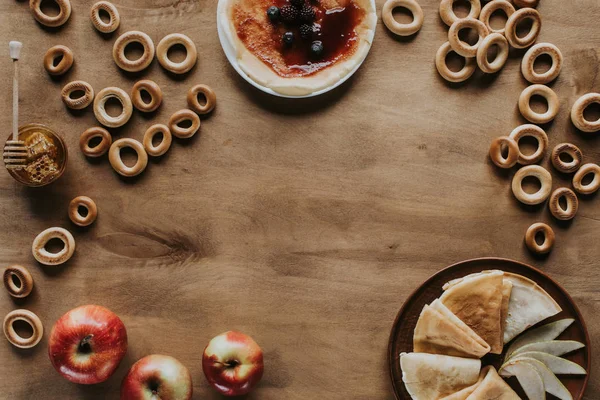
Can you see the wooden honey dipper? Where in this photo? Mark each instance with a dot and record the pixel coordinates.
(15, 152)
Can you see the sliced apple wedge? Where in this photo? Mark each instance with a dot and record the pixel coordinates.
(529, 378)
(555, 364)
(542, 334)
(552, 384)
(553, 347)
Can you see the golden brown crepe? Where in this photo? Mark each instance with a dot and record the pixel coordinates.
(492, 387)
(466, 392)
(477, 300)
(437, 334)
(438, 306)
(433, 376)
(506, 291)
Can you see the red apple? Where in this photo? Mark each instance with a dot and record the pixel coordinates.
(157, 377)
(233, 363)
(87, 344)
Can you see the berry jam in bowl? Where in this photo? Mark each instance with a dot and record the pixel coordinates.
(296, 48)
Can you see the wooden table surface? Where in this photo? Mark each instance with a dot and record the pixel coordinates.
(305, 224)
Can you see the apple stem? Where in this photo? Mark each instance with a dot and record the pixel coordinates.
(84, 345)
(231, 363)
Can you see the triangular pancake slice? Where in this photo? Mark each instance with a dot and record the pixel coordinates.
(492, 387)
(437, 334)
(433, 376)
(529, 304)
(438, 306)
(477, 300)
(466, 392)
(506, 292)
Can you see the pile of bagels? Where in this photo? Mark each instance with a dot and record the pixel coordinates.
(505, 151)
(478, 19)
(146, 95)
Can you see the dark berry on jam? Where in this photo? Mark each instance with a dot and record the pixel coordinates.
(297, 3)
(316, 49)
(289, 14)
(273, 14)
(288, 38)
(306, 31)
(307, 14)
(316, 28)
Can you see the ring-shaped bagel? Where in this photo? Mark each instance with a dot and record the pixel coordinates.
(43, 256)
(114, 20)
(460, 76)
(29, 318)
(64, 65)
(22, 275)
(165, 143)
(573, 151)
(526, 3)
(585, 170)
(511, 28)
(563, 214)
(209, 96)
(101, 148)
(529, 60)
(100, 103)
(447, 12)
(484, 47)
(87, 203)
(396, 27)
(153, 91)
(534, 131)
(548, 94)
(114, 157)
(78, 103)
(463, 48)
(179, 117)
(545, 185)
(51, 21)
(162, 53)
(548, 235)
(579, 108)
(133, 65)
(492, 7)
(512, 155)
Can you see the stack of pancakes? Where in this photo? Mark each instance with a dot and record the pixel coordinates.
(476, 315)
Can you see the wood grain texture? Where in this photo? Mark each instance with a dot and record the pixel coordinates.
(305, 224)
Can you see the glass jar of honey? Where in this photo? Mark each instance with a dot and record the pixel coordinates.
(46, 156)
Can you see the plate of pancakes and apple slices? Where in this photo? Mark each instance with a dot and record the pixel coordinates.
(489, 329)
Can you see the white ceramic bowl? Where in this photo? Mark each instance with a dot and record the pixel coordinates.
(231, 56)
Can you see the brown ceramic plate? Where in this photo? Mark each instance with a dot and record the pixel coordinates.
(401, 336)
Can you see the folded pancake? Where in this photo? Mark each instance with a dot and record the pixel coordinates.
(433, 376)
(435, 333)
(466, 392)
(506, 291)
(453, 282)
(492, 387)
(477, 300)
(438, 306)
(529, 304)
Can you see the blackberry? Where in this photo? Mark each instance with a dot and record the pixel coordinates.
(297, 3)
(307, 14)
(306, 31)
(273, 13)
(316, 49)
(288, 39)
(289, 14)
